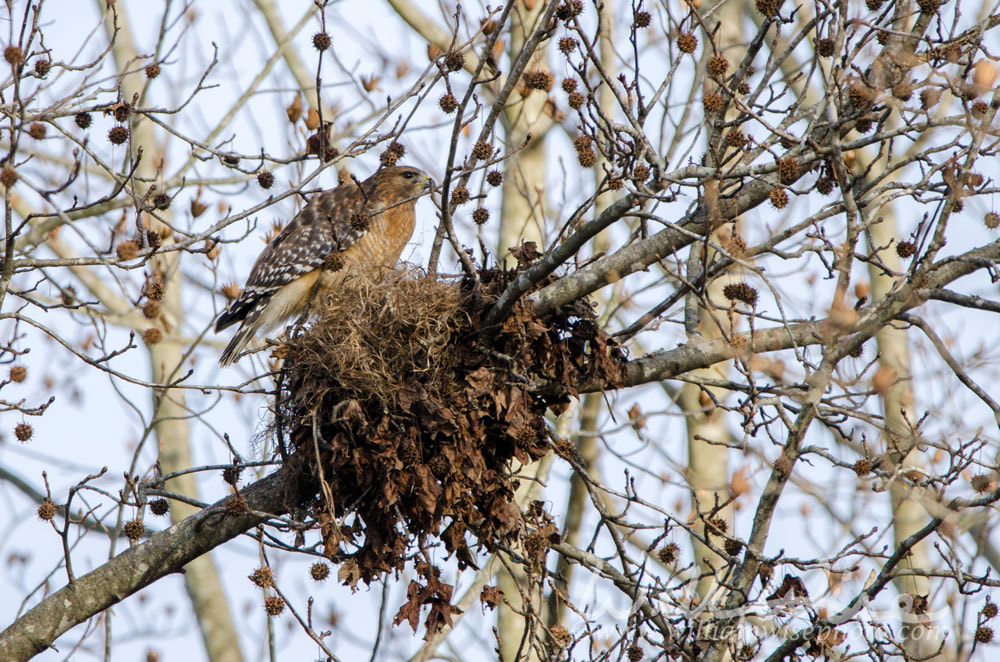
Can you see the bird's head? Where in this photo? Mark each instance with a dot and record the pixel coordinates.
(402, 183)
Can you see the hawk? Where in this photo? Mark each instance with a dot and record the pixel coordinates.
(354, 225)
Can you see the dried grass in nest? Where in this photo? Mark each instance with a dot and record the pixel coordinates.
(407, 420)
(384, 328)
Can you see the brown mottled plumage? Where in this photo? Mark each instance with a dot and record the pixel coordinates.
(366, 225)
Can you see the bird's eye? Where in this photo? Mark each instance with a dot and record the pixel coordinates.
(408, 175)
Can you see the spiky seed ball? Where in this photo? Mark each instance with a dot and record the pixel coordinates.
(616, 183)
(482, 150)
(23, 431)
(859, 96)
(783, 465)
(857, 352)
(8, 177)
(958, 206)
(874, 5)
(903, 91)
(319, 571)
(274, 605)
(321, 41)
(120, 111)
(134, 530)
(37, 130)
(448, 103)
(768, 7)
(494, 178)
(538, 79)
(640, 174)
(824, 47)
(152, 335)
(992, 220)
(83, 120)
(989, 609)
(735, 138)
(396, 148)
(333, 262)
(979, 109)
(668, 553)
(687, 42)
(984, 634)
(737, 245)
(586, 157)
(905, 249)
(152, 70)
(743, 87)
(454, 61)
(236, 506)
(634, 653)
(118, 135)
(642, 19)
(389, 158)
(981, 483)
(581, 142)
(713, 102)
(928, 6)
(863, 125)
(568, 10)
(575, 100)
(154, 287)
(231, 475)
(718, 65)
(459, 195)
(779, 198)
(824, 185)
(560, 636)
(265, 179)
(788, 169)
(863, 467)
(161, 201)
(46, 510)
(262, 577)
(566, 450)
(151, 309)
(159, 507)
(569, 85)
(18, 373)
(231, 160)
(127, 250)
(567, 45)
(733, 547)
(13, 55)
(42, 67)
(480, 216)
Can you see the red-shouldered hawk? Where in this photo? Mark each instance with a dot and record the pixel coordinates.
(352, 225)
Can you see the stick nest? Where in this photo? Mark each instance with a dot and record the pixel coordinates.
(406, 417)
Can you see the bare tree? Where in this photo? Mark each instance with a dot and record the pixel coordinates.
(768, 229)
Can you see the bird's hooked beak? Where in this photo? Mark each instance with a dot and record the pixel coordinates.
(430, 184)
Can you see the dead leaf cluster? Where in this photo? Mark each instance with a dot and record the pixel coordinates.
(407, 415)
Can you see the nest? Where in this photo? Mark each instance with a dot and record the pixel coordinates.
(406, 418)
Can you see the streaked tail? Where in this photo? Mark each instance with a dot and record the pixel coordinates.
(239, 342)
